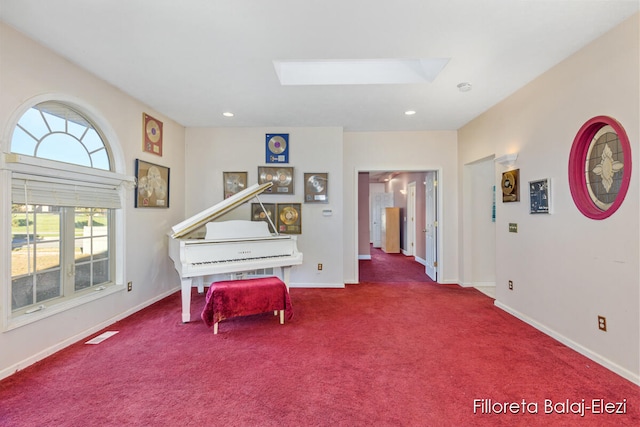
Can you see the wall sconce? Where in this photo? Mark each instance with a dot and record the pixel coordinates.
(507, 159)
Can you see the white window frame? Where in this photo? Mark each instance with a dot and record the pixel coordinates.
(11, 164)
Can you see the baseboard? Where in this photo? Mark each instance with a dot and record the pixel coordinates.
(80, 336)
(317, 285)
(420, 260)
(364, 257)
(623, 372)
(482, 284)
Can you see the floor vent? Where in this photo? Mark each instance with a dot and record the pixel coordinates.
(102, 337)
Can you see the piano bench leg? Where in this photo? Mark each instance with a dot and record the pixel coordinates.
(282, 317)
(215, 328)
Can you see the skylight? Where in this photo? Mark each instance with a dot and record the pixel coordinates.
(359, 71)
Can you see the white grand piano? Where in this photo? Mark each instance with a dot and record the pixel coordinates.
(228, 247)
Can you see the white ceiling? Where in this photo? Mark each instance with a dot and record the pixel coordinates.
(191, 60)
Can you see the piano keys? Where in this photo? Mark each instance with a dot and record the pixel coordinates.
(227, 247)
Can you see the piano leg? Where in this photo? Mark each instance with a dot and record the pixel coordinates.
(199, 284)
(285, 275)
(186, 300)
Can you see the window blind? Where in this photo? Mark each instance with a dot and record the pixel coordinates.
(35, 190)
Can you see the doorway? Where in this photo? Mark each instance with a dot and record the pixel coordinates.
(478, 225)
(431, 225)
(408, 188)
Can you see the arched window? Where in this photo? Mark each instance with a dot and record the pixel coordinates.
(64, 199)
(52, 130)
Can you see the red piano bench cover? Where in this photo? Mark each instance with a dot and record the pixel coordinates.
(232, 298)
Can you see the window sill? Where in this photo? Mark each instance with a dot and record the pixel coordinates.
(51, 310)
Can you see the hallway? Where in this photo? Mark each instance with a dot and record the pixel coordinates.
(391, 268)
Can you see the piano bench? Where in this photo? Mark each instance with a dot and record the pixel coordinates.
(233, 298)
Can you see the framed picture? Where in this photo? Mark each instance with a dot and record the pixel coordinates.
(152, 189)
(511, 186)
(282, 178)
(234, 182)
(315, 187)
(277, 148)
(151, 135)
(540, 196)
(258, 214)
(289, 218)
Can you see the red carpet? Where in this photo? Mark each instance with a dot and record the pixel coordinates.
(391, 268)
(407, 354)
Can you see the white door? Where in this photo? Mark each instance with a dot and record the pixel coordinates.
(379, 201)
(411, 219)
(431, 230)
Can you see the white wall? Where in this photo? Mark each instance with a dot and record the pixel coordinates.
(211, 151)
(28, 71)
(568, 269)
(403, 151)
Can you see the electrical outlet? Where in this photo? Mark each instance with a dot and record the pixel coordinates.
(129, 286)
(602, 323)
(511, 285)
(319, 266)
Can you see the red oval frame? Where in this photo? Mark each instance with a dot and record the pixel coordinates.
(578, 157)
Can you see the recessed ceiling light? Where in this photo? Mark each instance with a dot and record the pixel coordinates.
(227, 114)
(464, 87)
(409, 112)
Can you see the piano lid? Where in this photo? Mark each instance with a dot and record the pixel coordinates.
(215, 211)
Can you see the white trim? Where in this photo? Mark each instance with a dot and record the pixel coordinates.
(633, 377)
(5, 253)
(56, 308)
(80, 336)
(36, 166)
(441, 220)
(482, 284)
(317, 285)
(364, 257)
(411, 232)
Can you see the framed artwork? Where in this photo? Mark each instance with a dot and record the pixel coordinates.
(152, 135)
(152, 189)
(511, 186)
(289, 218)
(282, 178)
(277, 148)
(315, 187)
(539, 196)
(234, 182)
(258, 214)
